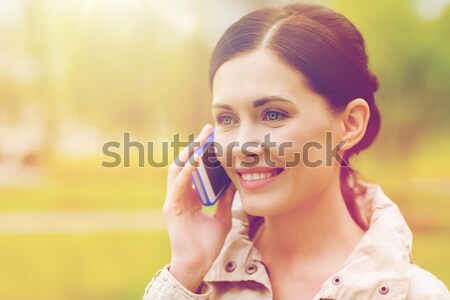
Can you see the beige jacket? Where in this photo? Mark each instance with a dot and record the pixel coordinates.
(379, 268)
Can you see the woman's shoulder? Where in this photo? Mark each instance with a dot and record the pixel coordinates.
(424, 285)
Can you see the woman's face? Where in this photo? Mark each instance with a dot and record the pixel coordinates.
(257, 97)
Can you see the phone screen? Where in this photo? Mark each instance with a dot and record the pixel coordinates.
(216, 173)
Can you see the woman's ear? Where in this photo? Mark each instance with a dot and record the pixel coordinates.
(355, 118)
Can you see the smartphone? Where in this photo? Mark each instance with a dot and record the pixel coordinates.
(209, 178)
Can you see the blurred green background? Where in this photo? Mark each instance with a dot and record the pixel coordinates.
(75, 74)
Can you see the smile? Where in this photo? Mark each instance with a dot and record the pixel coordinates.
(256, 176)
(251, 179)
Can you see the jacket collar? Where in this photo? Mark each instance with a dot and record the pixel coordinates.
(379, 262)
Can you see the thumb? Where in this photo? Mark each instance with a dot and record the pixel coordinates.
(223, 211)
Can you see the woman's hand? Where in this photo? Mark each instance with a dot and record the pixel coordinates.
(196, 238)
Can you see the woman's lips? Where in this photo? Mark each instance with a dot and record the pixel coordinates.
(257, 177)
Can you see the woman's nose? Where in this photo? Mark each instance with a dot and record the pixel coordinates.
(245, 150)
(247, 147)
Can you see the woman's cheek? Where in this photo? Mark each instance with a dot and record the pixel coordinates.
(287, 151)
(223, 151)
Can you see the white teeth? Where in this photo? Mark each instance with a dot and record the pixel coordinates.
(256, 176)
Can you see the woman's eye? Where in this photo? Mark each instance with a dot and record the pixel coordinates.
(273, 115)
(224, 119)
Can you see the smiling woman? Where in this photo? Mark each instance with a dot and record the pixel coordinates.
(300, 74)
(304, 119)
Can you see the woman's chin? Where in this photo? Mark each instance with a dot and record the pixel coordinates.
(259, 207)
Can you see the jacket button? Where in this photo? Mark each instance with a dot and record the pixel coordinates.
(251, 268)
(383, 290)
(337, 280)
(230, 266)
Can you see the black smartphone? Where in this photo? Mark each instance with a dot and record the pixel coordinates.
(209, 178)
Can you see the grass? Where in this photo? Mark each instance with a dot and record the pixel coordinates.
(80, 266)
(84, 184)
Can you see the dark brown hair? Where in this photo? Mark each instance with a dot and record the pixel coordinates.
(327, 49)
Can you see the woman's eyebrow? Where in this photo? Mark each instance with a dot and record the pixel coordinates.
(257, 102)
(220, 105)
(262, 101)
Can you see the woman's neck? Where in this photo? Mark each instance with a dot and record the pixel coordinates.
(321, 232)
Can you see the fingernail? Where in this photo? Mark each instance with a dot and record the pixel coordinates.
(206, 126)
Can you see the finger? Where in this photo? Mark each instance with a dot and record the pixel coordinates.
(223, 211)
(181, 159)
(183, 179)
(189, 202)
(193, 200)
(187, 152)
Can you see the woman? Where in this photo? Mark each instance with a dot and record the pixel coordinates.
(295, 229)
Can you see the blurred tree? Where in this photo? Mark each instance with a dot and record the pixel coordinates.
(143, 66)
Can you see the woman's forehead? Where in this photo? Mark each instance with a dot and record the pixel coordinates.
(258, 75)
